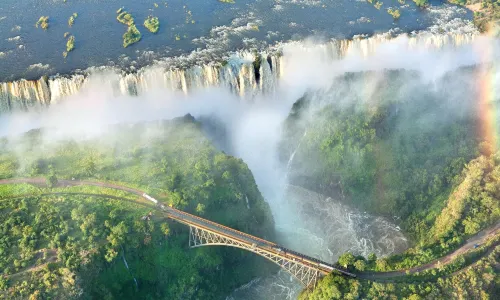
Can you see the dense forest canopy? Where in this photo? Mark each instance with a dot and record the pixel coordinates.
(412, 150)
(396, 152)
(68, 245)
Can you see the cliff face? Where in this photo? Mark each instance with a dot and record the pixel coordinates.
(245, 74)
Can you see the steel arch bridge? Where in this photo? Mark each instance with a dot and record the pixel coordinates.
(203, 232)
(306, 274)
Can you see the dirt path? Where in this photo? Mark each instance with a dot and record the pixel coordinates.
(51, 257)
(479, 238)
(65, 183)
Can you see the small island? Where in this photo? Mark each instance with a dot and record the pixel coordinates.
(43, 22)
(70, 45)
(131, 36)
(125, 18)
(71, 19)
(394, 13)
(152, 24)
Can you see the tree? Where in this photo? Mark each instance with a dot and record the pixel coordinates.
(381, 265)
(346, 259)
(110, 255)
(360, 265)
(200, 208)
(88, 165)
(4, 283)
(118, 234)
(165, 229)
(51, 180)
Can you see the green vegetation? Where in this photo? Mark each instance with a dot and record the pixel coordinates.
(421, 3)
(378, 4)
(480, 281)
(470, 207)
(486, 12)
(125, 18)
(131, 36)
(70, 44)
(62, 245)
(254, 27)
(383, 164)
(439, 177)
(394, 13)
(401, 2)
(152, 24)
(43, 22)
(71, 19)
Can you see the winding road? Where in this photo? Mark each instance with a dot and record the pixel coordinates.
(479, 238)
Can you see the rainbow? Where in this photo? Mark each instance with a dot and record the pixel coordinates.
(488, 127)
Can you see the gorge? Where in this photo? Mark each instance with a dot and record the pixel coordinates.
(354, 144)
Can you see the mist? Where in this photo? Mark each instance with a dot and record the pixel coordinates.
(254, 125)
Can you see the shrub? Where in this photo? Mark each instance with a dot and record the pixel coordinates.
(394, 13)
(71, 19)
(70, 44)
(43, 22)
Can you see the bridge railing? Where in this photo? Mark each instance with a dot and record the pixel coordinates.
(311, 261)
(252, 237)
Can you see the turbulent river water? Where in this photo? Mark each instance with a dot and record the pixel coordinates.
(191, 31)
(249, 102)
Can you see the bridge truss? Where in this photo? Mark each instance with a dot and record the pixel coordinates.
(306, 274)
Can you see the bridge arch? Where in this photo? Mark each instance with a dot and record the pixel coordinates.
(307, 275)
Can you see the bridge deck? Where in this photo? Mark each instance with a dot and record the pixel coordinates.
(190, 219)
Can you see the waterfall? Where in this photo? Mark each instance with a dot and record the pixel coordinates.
(289, 164)
(239, 75)
(126, 265)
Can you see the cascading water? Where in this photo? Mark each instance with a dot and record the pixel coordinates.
(238, 75)
(305, 221)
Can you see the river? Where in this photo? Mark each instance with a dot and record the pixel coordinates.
(191, 31)
(248, 104)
